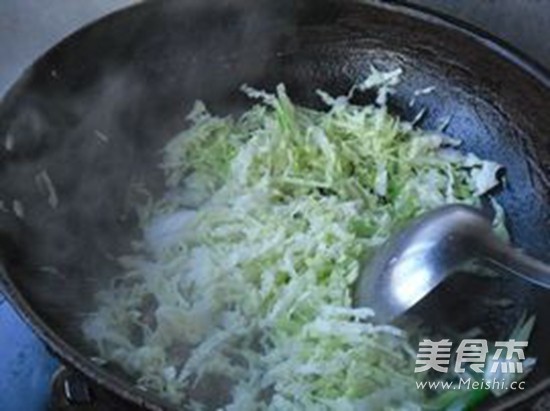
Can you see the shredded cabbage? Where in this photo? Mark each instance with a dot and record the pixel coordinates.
(238, 297)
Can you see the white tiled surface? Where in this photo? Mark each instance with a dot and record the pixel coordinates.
(29, 27)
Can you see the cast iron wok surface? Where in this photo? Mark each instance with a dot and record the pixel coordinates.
(135, 74)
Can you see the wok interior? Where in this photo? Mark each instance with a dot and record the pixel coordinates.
(133, 77)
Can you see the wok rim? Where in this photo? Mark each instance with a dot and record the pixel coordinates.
(67, 354)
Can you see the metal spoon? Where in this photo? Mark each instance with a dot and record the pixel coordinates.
(432, 248)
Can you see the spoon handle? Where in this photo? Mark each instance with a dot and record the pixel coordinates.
(512, 261)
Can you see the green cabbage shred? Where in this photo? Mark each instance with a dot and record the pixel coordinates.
(241, 285)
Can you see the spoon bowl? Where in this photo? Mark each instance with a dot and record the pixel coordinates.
(438, 244)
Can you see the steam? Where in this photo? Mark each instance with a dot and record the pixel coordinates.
(88, 122)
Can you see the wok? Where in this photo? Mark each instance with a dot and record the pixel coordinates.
(132, 76)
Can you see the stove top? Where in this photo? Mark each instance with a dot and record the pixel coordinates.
(31, 379)
(25, 365)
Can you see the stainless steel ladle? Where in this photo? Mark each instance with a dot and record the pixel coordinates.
(432, 248)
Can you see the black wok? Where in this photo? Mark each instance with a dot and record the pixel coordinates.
(133, 75)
